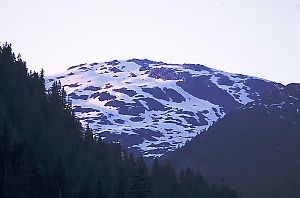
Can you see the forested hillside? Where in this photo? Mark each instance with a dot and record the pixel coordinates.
(45, 152)
(254, 149)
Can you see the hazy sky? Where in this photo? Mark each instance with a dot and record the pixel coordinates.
(254, 37)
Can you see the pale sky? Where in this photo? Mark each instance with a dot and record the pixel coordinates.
(253, 37)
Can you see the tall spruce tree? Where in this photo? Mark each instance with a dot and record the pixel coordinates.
(140, 184)
(60, 180)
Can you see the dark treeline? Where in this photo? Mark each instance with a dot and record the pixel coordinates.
(45, 152)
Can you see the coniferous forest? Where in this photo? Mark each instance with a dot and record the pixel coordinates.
(45, 152)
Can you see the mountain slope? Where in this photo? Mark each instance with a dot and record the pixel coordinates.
(154, 107)
(255, 149)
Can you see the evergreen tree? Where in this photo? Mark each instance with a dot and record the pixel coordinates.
(88, 136)
(139, 186)
(60, 180)
(120, 192)
(85, 190)
(4, 153)
(99, 190)
(156, 179)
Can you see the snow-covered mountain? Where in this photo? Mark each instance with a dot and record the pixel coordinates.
(153, 107)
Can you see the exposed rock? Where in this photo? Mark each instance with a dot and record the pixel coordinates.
(136, 119)
(154, 105)
(72, 85)
(126, 91)
(106, 96)
(114, 69)
(76, 97)
(174, 95)
(157, 93)
(84, 109)
(119, 121)
(201, 87)
(92, 88)
(168, 74)
(75, 66)
(113, 63)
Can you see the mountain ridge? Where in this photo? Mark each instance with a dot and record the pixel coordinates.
(259, 142)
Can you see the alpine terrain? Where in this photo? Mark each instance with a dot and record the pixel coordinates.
(153, 107)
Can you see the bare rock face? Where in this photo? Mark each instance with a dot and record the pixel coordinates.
(152, 107)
